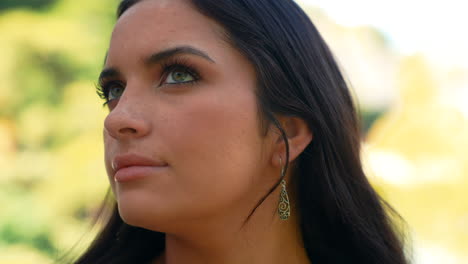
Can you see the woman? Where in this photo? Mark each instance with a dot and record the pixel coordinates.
(232, 138)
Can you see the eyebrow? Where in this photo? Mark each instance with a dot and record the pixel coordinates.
(158, 57)
(165, 54)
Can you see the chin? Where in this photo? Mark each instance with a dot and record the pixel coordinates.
(143, 211)
(134, 207)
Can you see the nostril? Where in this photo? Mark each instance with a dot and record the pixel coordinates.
(128, 130)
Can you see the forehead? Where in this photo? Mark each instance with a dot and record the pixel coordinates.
(152, 25)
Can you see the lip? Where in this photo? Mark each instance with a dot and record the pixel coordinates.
(128, 167)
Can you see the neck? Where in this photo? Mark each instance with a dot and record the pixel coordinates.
(263, 239)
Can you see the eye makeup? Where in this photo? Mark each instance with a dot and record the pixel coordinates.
(110, 84)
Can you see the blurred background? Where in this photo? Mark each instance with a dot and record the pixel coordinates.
(405, 60)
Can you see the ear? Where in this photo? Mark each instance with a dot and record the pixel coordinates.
(298, 135)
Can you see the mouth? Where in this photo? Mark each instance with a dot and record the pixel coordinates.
(130, 167)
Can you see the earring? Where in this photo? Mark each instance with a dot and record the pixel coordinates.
(284, 209)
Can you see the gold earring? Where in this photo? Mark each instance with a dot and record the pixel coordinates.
(284, 210)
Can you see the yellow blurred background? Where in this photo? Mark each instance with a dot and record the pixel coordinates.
(413, 99)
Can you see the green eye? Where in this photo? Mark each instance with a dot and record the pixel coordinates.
(115, 91)
(179, 76)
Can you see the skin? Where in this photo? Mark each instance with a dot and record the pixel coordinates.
(208, 132)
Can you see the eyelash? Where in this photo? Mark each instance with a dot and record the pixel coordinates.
(181, 65)
(169, 66)
(102, 90)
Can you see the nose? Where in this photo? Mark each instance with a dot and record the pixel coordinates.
(126, 121)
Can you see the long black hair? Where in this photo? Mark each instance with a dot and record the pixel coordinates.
(342, 218)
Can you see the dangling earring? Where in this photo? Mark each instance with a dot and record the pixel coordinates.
(284, 209)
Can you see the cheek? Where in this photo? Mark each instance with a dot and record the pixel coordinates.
(107, 157)
(216, 147)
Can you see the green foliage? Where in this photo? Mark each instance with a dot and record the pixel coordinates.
(368, 117)
(32, 4)
(22, 222)
(51, 174)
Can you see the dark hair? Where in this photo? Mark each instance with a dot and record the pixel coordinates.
(342, 218)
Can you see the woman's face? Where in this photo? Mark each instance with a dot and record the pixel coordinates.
(183, 119)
